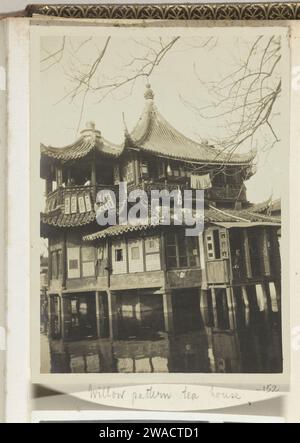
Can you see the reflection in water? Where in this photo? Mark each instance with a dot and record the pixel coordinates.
(254, 348)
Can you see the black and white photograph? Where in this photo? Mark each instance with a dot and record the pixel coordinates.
(163, 174)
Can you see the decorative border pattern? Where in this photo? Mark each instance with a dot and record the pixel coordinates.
(221, 11)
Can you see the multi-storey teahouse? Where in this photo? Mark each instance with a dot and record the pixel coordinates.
(128, 280)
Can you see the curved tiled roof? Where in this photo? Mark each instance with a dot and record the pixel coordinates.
(262, 207)
(89, 140)
(115, 231)
(153, 133)
(215, 215)
(61, 220)
(211, 215)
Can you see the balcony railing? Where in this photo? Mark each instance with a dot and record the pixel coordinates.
(215, 193)
(56, 199)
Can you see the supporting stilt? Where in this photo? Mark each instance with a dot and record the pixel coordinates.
(168, 311)
(98, 319)
(247, 306)
(275, 296)
(268, 302)
(112, 314)
(214, 307)
(247, 253)
(62, 316)
(231, 308)
(204, 308)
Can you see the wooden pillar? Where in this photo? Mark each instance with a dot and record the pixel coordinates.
(49, 266)
(268, 303)
(163, 252)
(98, 319)
(93, 174)
(266, 252)
(247, 253)
(112, 314)
(202, 259)
(203, 299)
(168, 311)
(214, 307)
(49, 310)
(262, 298)
(62, 316)
(274, 290)
(58, 176)
(231, 308)
(247, 306)
(64, 261)
(59, 314)
(204, 307)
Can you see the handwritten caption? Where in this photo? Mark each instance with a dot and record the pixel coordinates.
(184, 393)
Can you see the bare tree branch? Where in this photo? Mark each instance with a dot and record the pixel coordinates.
(244, 99)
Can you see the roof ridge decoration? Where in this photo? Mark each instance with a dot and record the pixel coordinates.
(153, 133)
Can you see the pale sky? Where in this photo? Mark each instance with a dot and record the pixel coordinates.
(178, 77)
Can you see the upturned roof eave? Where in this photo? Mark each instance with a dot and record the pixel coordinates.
(151, 119)
(130, 143)
(80, 149)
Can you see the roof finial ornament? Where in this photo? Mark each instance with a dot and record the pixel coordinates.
(149, 94)
(90, 125)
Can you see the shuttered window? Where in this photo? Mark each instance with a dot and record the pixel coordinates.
(182, 251)
(216, 244)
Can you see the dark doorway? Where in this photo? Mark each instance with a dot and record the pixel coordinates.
(255, 252)
(237, 254)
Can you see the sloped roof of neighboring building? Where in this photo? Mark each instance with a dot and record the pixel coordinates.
(231, 215)
(267, 207)
(228, 218)
(90, 139)
(261, 207)
(154, 134)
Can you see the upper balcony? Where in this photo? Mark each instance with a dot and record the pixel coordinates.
(67, 198)
(226, 193)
